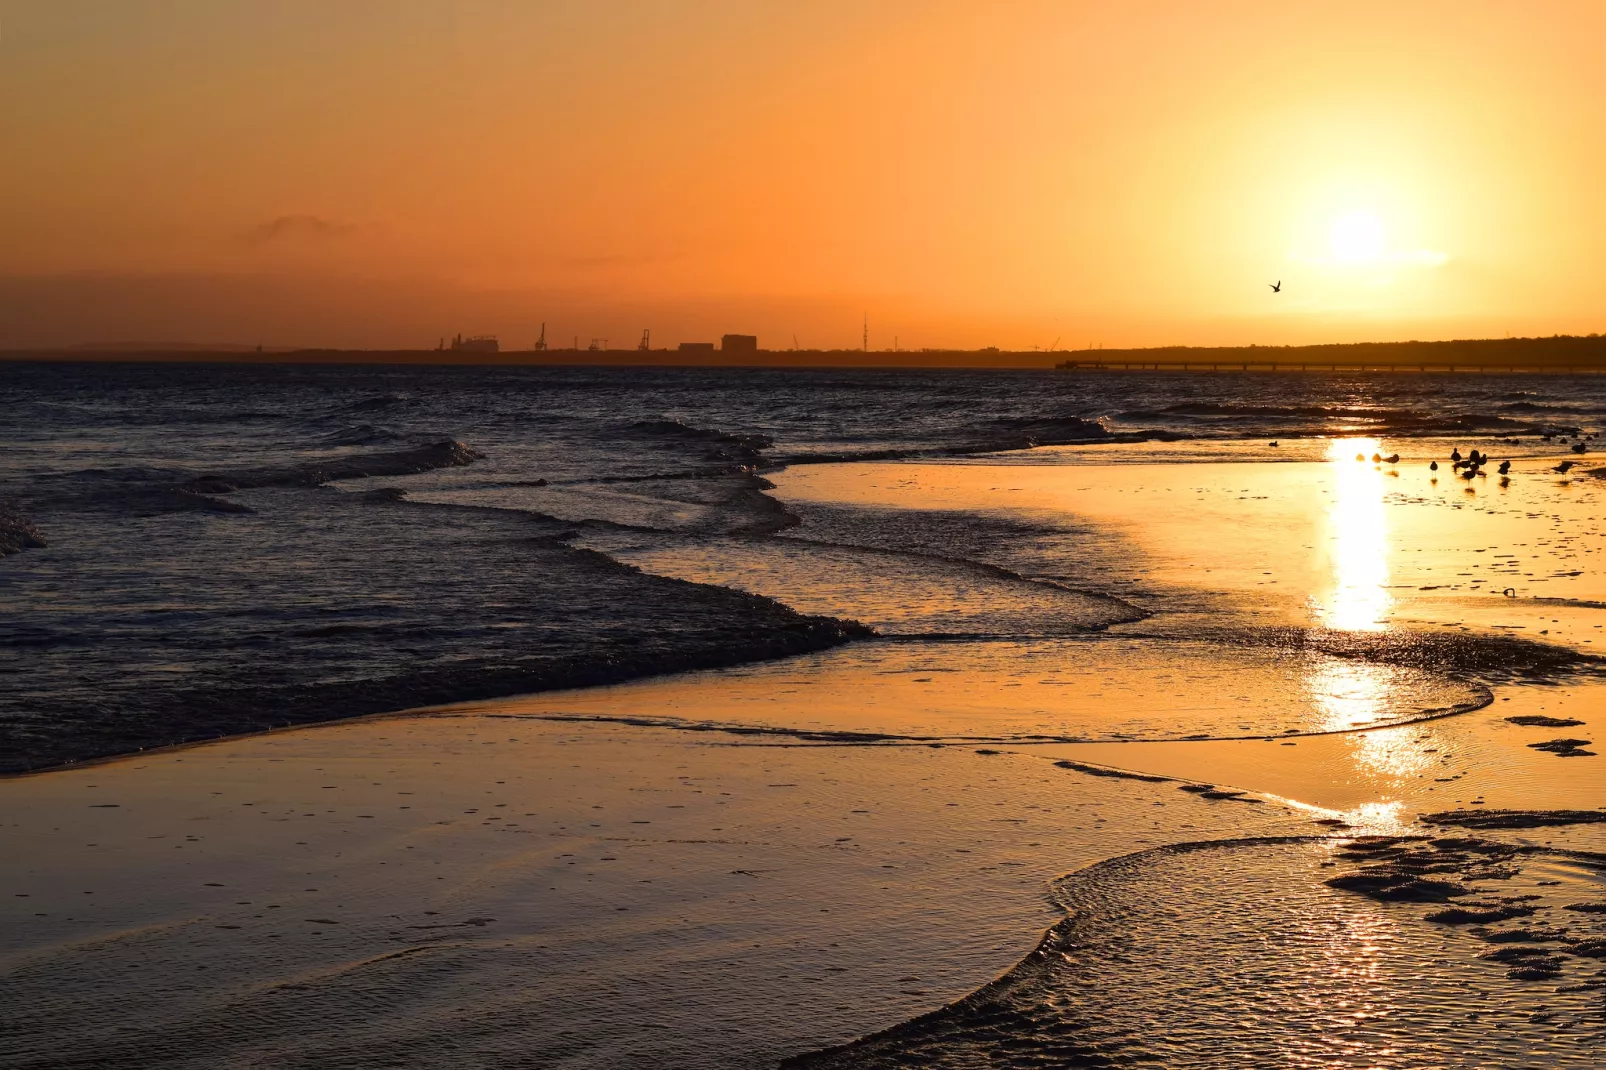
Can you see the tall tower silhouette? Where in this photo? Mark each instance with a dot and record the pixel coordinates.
(867, 332)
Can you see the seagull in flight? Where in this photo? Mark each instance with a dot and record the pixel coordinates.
(1276, 287)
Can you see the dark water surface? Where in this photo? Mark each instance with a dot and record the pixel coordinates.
(233, 547)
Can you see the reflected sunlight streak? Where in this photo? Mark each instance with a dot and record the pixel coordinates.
(1348, 694)
(1357, 541)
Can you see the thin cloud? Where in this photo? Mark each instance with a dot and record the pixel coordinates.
(299, 228)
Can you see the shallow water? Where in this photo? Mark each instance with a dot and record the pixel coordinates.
(1107, 688)
(1259, 963)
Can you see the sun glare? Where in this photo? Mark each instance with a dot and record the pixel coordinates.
(1357, 238)
(1359, 600)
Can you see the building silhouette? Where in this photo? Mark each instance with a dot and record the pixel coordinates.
(739, 343)
(482, 343)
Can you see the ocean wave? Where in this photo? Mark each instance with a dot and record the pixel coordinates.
(361, 435)
(1559, 408)
(679, 430)
(1017, 433)
(447, 454)
(1207, 408)
(155, 501)
(1242, 417)
(381, 402)
(129, 474)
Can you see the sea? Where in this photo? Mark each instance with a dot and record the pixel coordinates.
(229, 547)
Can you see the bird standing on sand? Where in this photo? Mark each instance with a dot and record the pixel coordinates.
(1276, 287)
(1433, 466)
(1563, 467)
(1393, 458)
(1505, 466)
(1578, 447)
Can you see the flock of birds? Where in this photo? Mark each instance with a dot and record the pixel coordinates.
(1472, 466)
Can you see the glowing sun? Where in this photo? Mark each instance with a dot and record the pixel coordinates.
(1357, 238)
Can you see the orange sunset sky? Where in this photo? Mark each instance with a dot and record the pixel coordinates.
(384, 172)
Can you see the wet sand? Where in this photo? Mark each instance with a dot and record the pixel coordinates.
(534, 894)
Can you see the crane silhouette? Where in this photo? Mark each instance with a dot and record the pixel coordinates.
(1276, 287)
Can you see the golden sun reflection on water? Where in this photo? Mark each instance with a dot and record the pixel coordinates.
(1391, 752)
(1381, 817)
(1357, 541)
(1348, 694)
(1353, 694)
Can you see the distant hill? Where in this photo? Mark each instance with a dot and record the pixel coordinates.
(1557, 353)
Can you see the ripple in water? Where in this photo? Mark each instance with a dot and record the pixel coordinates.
(1238, 954)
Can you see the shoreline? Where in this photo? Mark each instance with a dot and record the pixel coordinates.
(817, 634)
(801, 633)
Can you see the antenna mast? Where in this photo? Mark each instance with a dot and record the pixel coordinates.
(867, 332)
(646, 336)
(540, 343)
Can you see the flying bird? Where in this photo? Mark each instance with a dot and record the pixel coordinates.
(1276, 287)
